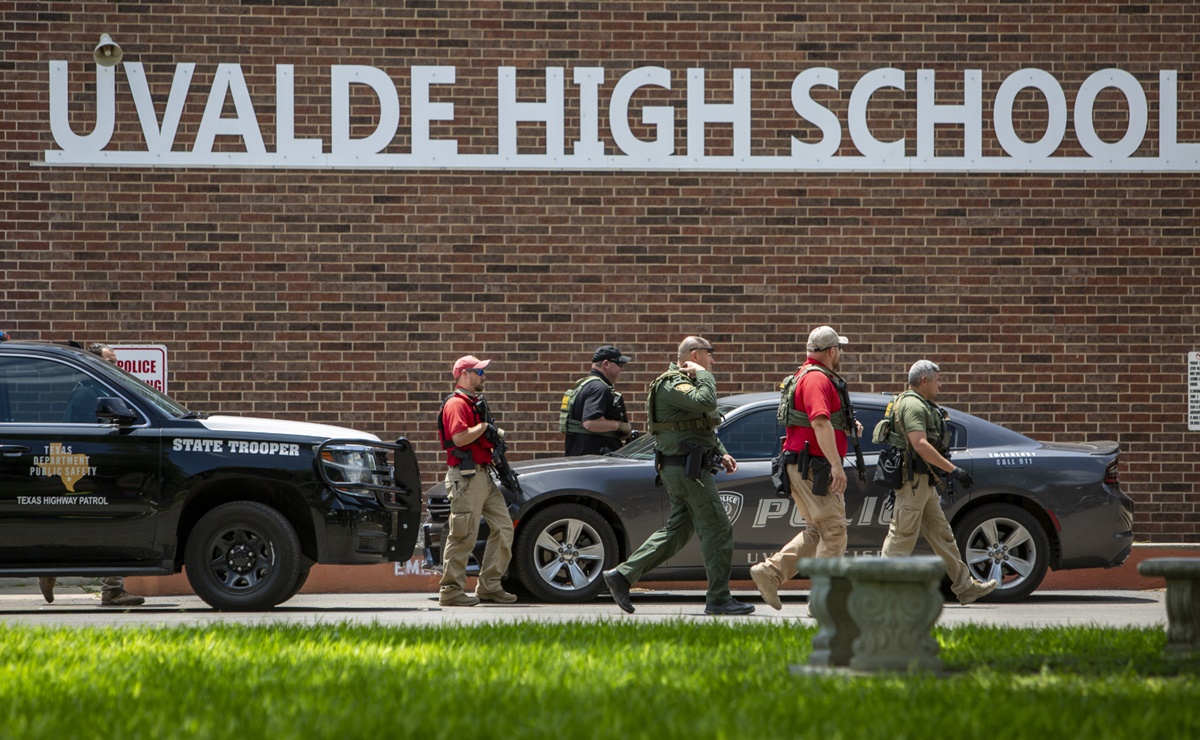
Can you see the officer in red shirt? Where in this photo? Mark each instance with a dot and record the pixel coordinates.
(822, 427)
(473, 494)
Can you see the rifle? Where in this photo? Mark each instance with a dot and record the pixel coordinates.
(858, 455)
(504, 471)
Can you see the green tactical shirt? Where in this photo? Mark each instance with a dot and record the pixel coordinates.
(913, 412)
(678, 398)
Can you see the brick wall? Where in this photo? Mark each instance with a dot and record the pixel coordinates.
(1060, 305)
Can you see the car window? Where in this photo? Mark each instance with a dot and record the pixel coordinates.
(40, 391)
(870, 416)
(752, 436)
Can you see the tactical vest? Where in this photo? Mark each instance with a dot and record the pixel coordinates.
(789, 416)
(655, 426)
(447, 443)
(567, 424)
(939, 436)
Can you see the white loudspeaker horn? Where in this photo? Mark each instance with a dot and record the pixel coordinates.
(107, 52)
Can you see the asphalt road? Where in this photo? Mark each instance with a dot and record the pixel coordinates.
(76, 607)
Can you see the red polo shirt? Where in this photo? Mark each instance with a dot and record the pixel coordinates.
(458, 415)
(816, 396)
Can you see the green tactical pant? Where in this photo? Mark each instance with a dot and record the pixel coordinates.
(695, 507)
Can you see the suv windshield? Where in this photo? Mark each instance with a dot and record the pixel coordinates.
(151, 396)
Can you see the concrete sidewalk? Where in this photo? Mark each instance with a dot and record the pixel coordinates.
(410, 577)
(1043, 609)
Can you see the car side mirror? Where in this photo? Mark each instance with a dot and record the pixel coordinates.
(115, 409)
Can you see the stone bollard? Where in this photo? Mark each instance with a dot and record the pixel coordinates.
(875, 614)
(1183, 600)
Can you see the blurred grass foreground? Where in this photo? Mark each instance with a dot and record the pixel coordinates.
(596, 679)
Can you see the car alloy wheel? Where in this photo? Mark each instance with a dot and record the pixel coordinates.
(1007, 543)
(561, 551)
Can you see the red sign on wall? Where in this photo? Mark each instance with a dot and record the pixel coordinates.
(147, 361)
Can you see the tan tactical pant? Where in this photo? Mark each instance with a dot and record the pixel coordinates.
(824, 533)
(918, 511)
(472, 497)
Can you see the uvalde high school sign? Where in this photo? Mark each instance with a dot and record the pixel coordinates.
(665, 151)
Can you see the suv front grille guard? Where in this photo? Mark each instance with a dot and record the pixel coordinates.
(403, 494)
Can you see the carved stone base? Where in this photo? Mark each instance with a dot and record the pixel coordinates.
(875, 614)
(1183, 600)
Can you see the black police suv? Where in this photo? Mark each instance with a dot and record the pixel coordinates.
(100, 474)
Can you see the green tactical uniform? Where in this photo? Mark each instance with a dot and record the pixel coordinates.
(683, 413)
(918, 509)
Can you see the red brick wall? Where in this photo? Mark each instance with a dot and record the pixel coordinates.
(1060, 305)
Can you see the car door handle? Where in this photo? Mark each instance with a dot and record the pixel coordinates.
(13, 450)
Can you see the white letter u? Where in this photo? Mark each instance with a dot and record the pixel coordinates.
(60, 125)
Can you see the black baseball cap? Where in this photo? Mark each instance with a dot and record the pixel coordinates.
(610, 353)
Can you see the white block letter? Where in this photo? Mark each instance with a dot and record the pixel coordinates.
(813, 112)
(589, 80)
(700, 112)
(60, 125)
(970, 113)
(424, 111)
(551, 111)
(229, 79)
(159, 140)
(286, 142)
(1085, 129)
(342, 76)
(1056, 114)
(662, 117)
(860, 98)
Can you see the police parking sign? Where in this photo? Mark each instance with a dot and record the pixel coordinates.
(1194, 391)
(148, 362)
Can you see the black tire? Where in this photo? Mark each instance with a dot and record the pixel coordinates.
(561, 551)
(243, 556)
(300, 580)
(1007, 543)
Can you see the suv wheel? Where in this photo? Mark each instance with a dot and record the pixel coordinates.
(1007, 543)
(243, 556)
(560, 552)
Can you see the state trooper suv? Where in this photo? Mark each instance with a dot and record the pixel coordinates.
(100, 475)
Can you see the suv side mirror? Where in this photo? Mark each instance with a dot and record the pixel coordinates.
(115, 409)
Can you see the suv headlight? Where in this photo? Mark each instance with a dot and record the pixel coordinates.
(354, 465)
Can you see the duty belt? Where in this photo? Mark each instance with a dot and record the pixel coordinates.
(673, 459)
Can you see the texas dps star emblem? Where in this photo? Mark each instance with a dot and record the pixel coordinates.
(732, 501)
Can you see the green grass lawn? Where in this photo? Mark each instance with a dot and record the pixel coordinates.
(604, 679)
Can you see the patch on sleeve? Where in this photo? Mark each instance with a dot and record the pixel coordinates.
(685, 387)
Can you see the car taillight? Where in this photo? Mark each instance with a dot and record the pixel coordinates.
(1112, 474)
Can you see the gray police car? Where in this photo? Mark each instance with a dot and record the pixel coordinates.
(100, 474)
(1034, 506)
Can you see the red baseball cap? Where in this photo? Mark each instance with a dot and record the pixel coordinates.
(470, 362)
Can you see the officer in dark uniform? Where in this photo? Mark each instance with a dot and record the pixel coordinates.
(682, 414)
(593, 416)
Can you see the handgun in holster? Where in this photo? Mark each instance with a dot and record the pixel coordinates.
(466, 463)
(820, 468)
(694, 461)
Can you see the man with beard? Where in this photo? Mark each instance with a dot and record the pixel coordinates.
(468, 440)
(818, 425)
